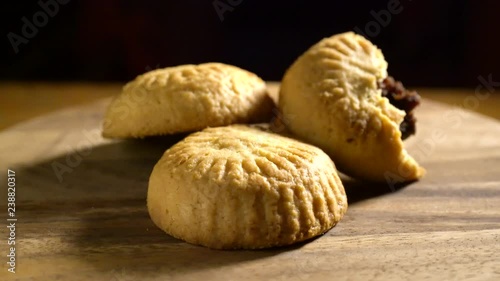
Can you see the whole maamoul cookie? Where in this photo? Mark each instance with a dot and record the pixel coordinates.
(187, 98)
(239, 187)
(331, 99)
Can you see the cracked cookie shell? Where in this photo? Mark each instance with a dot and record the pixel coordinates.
(330, 97)
(239, 187)
(187, 98)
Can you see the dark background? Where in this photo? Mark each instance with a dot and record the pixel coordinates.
(429, 43)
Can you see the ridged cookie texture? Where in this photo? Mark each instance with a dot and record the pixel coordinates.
(330, 98)
(239, 187)
(187, 98)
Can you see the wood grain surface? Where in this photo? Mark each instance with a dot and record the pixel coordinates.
(81, 210)
(23, 101)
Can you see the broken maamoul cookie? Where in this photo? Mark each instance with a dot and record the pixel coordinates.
(332, 98)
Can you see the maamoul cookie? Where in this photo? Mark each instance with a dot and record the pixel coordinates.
(187, 98)
(332, 97)
(239, 187)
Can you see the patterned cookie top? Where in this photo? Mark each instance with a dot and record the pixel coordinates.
(331, 97)
(246, 156)
(187, 98)
(348, 62)
(241, 187)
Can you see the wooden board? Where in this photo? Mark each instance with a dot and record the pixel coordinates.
(80, 203)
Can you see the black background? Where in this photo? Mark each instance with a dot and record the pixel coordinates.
(429, 43)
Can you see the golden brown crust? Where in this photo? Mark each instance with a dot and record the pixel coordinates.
(240, 187)
(331, 99)
(187, 98)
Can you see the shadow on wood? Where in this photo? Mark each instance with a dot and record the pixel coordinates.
(99, 207)
(357, 190)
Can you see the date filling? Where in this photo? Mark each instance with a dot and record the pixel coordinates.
(402, 99)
